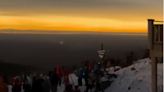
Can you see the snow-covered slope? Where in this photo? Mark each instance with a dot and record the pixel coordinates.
(136, 80)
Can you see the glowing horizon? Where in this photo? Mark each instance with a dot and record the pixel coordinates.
(127, 15)
(66, 23)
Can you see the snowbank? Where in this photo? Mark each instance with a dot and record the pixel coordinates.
(137, 79)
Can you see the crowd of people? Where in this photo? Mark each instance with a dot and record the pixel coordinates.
(91, 74)
(50, 81)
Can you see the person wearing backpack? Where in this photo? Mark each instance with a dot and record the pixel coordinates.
(54, 81)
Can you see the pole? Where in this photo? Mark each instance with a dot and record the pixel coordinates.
(153, 59)
(103, 62)
(150, 33)
(102, 48)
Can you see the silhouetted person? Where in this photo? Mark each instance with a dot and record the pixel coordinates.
(24, 78)
(98, 81)
(96, 67)
(89, 86)
(99, 64)
(66, 75)
(37, 87)
(3, 85)
(91, 65)
(27, 87)
(33, 83)
(59, 73)
(5, 78)
(80, 76)
(25, 81)
(86, 74)
(46, 85)
(54, 81)
(16, 86)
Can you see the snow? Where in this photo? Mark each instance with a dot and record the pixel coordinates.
(138, 80)
(103, 79)
(9, 88)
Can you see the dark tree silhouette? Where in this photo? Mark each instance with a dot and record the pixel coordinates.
(113, 61)
(118, 62)
(130, 58)
(146, 55)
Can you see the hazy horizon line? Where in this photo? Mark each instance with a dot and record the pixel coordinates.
(12, 31)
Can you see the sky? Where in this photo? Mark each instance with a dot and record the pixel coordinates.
(79, 15)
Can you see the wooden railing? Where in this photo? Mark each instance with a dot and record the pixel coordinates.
(155, 35)
(158, 33)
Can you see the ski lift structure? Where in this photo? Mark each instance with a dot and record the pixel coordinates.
(101, 52)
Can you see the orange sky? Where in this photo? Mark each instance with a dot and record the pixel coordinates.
(67, 17)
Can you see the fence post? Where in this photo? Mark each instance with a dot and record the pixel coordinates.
(150, 33)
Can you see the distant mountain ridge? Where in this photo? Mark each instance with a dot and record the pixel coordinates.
(12, 31)
(12, 69)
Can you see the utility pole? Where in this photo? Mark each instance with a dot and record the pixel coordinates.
(103, 55)
(102, 62)
(102, 48)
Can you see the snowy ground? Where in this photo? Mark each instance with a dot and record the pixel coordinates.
(138, 80)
